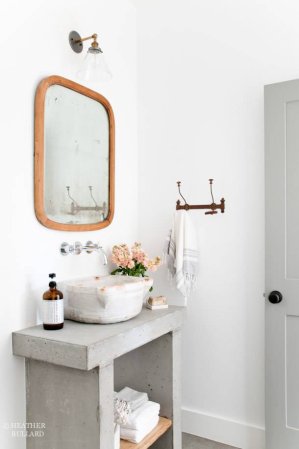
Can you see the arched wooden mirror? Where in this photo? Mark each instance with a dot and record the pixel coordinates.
(74, 156)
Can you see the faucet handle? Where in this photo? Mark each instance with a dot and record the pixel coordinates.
(77, 248)
(64, 249)
(90, 247)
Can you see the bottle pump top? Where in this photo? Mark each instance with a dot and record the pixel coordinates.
(52, 284)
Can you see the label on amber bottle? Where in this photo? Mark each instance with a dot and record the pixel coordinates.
(53, 311)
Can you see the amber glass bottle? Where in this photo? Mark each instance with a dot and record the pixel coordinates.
(53, 313)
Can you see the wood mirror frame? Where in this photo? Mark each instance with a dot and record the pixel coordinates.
(39, 154)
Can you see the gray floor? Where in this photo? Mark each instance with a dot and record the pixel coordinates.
(193, 442)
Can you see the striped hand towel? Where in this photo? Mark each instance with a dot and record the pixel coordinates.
(182, 255)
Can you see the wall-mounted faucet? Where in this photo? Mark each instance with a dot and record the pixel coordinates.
(77, 248)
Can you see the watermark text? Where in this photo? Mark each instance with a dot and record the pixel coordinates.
(25, 429)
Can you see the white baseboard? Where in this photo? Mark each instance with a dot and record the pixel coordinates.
(225, 431)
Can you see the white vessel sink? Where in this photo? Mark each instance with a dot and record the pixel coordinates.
(105, 299)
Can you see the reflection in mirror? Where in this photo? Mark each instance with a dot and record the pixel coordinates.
(75, 183)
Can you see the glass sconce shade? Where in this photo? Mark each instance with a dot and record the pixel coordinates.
(94, 67)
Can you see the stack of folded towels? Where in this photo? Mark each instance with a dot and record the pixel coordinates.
(136, 415)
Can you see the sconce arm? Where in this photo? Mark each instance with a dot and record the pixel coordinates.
(76, 40)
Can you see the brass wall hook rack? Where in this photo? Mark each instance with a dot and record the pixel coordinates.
(212, 207)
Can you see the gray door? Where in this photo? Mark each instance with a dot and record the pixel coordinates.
(282, 264)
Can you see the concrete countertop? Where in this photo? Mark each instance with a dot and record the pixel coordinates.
(85, 346)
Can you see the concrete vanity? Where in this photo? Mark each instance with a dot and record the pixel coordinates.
(71, 375)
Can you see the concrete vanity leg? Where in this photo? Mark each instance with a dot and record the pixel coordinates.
(71, 404)
(176, 386)
(173, 439)
(106, 388)
(156, 369)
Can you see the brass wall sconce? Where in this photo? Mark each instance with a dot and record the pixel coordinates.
(94, 67)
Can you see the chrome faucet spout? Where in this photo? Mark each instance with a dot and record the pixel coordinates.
(105, 260)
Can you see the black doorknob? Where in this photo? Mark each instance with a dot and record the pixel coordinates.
(275, 297)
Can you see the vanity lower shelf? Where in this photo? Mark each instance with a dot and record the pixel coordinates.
(163, 425)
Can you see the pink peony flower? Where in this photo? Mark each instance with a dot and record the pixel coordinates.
(127, 260)
(154, 264)
(138, 253)
(121, 255)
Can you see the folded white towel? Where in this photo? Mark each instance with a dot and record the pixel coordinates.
(135, 436)
(141, 416)
(116, 436)
(182, 253)
(134, 398)
(121, 411)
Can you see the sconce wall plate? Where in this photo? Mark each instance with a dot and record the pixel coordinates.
(75, 42)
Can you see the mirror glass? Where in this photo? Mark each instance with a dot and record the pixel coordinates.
(76, 157)
(77, 168)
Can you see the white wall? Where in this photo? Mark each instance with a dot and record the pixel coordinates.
(34, 44)
(202, 67)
